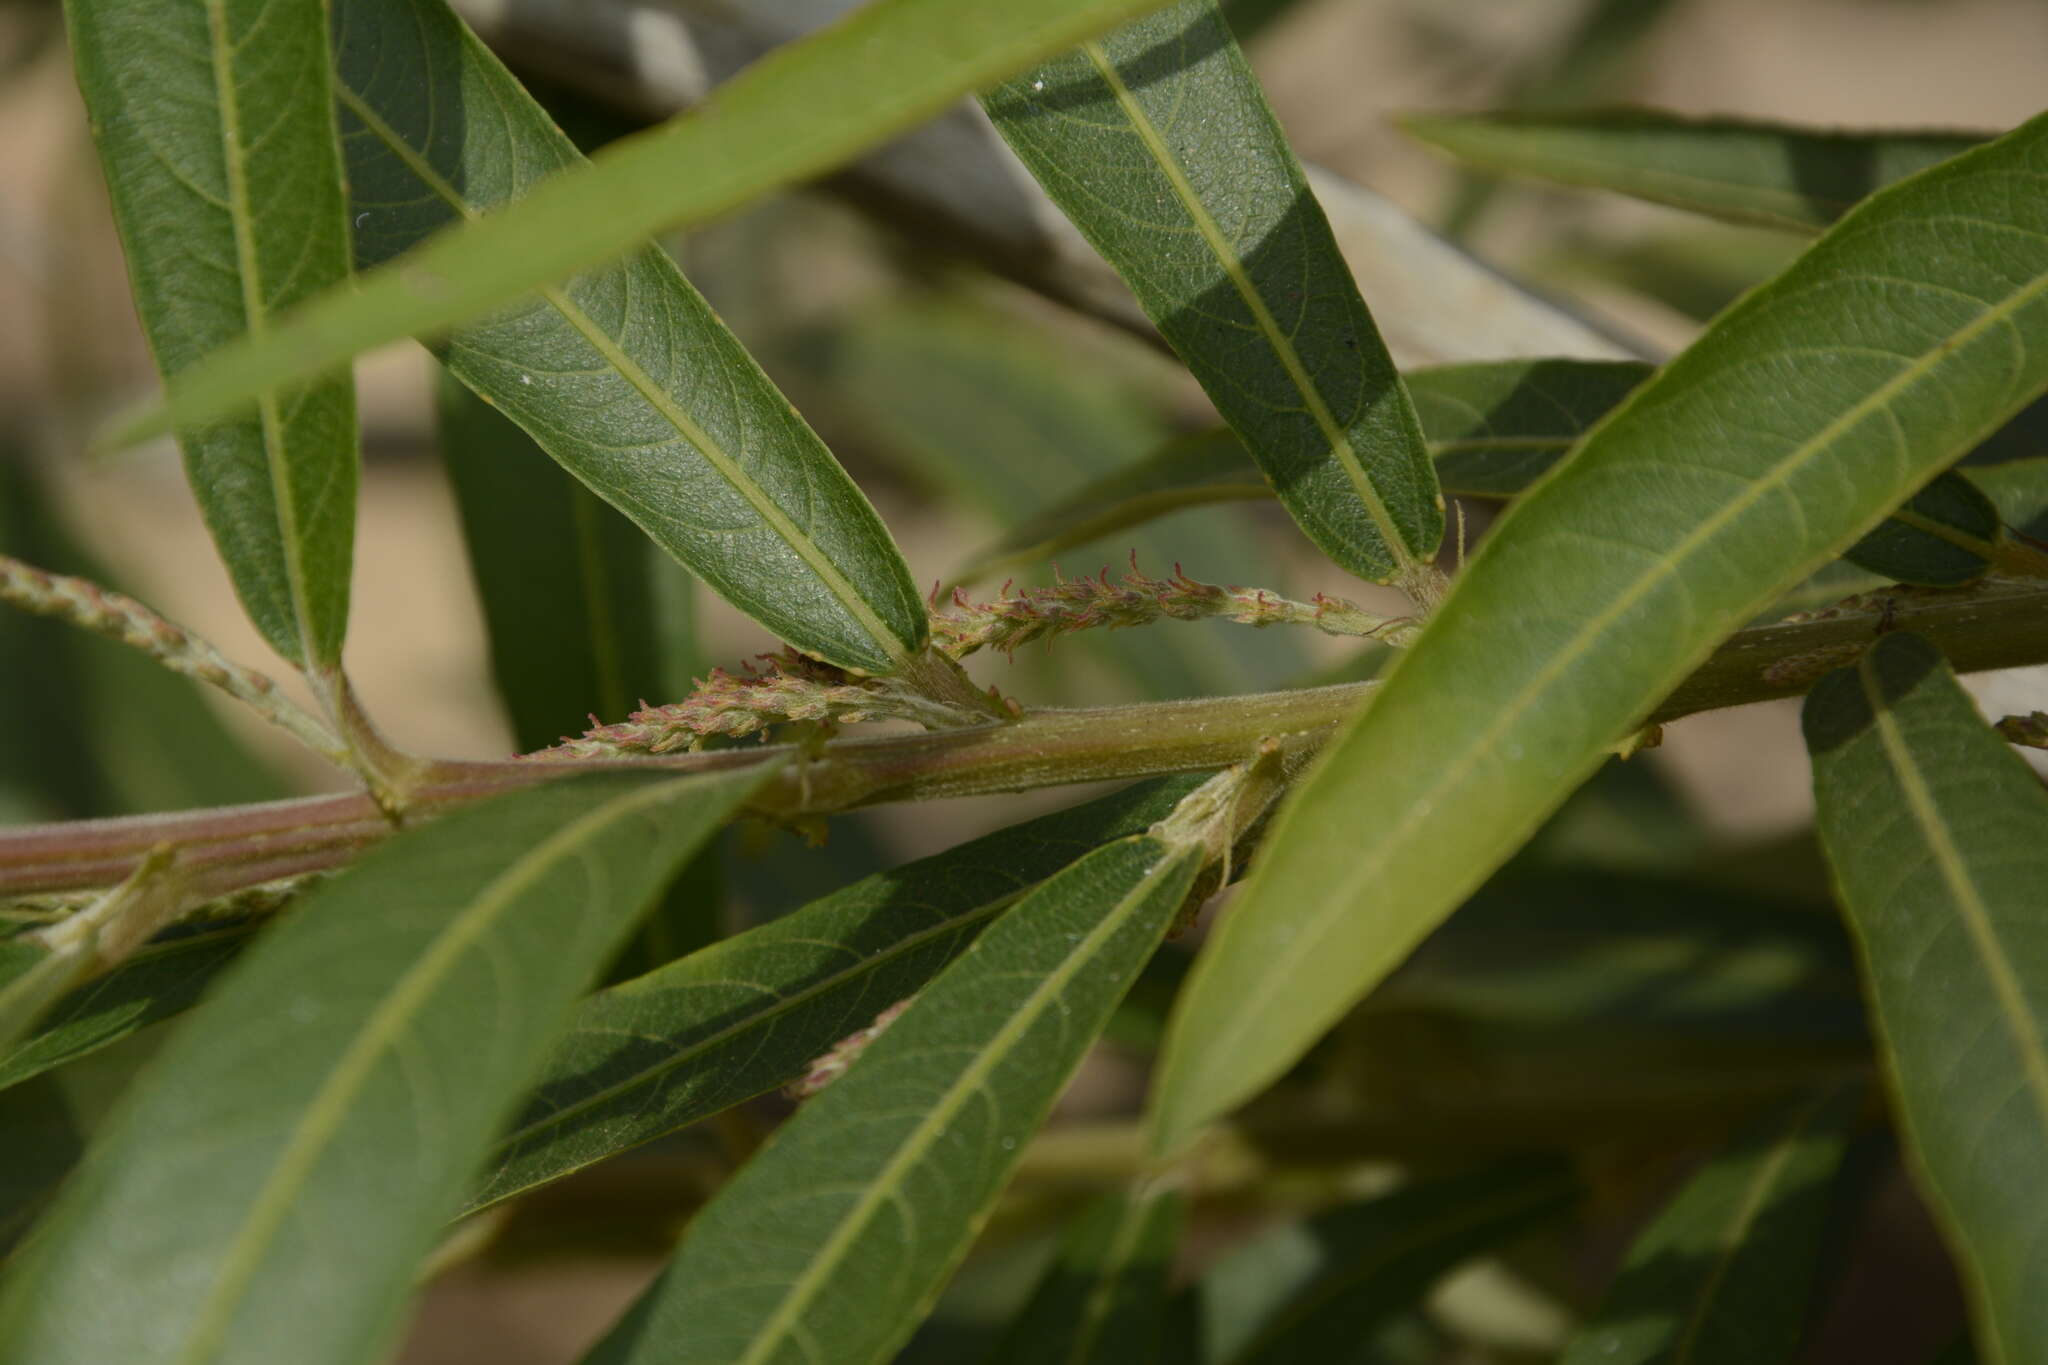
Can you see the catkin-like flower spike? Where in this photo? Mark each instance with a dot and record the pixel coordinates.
(830, 1067)
(1135, 600)
(789, 688)
(120, 617)
(2030, 730)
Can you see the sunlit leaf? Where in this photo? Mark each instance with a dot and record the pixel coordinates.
(1723, 1274)
(624, 375)
(215, 128)
(1938, 837)
(752, 1012)
(1792, 427)
(1103, 1299)
(1744, 171)
(1157, 142)
(834, 1239)
(242, 1198)
(801, 110)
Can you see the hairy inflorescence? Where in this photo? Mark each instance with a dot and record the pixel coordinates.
(1136, 599)
(784, 687)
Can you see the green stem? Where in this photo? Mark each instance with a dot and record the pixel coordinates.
(1997, 626)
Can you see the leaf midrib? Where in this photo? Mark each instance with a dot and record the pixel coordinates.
(933, 1125)
(664, 404)
(1512, 712)
(255, 323)
(330, 1105)
(1728, 1247)
(782, 1006)
(1226, 257)
(1971, 910)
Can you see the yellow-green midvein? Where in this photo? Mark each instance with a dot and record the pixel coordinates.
(1269, 327)
(660, 400)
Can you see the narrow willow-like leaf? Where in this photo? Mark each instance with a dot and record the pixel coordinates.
(215, 128)
(1316, 1289)
(752, 1012)
(1947, 534)
(1722, 1276)
(1156, 141)
(624, 375)
(161, 980)
(1491, 428)
(833, 1241)
(1792, 427)
(1746, 172)
(1103, 1299)
(800, 111)
(245, 1198)
(563, 578)
(1938, 837)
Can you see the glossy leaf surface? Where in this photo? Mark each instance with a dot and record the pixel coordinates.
(215, 129)
(1103, 1300)
(1791, 428)
(1156, 141)
(796, 113)
(751, 1013)
(402, 1007)
(1771, 174)
(623, 374)
(832, 1242)
(1723, 1274)
(1938, 837)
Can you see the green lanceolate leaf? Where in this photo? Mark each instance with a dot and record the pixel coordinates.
(1787, 431)
(1722, 1276)
(1491, 428)
(1157, 142)
(159, 981)
(1494, 428)
(1747, 172)
(1103, 1299)
(401, 1008)
(623, 374)
(1316, 1289)
(563, 578)
(753, 1012)
(215, 128)
(803, 109)
(832, 1242)
(1938, 837)
(1947, 534)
